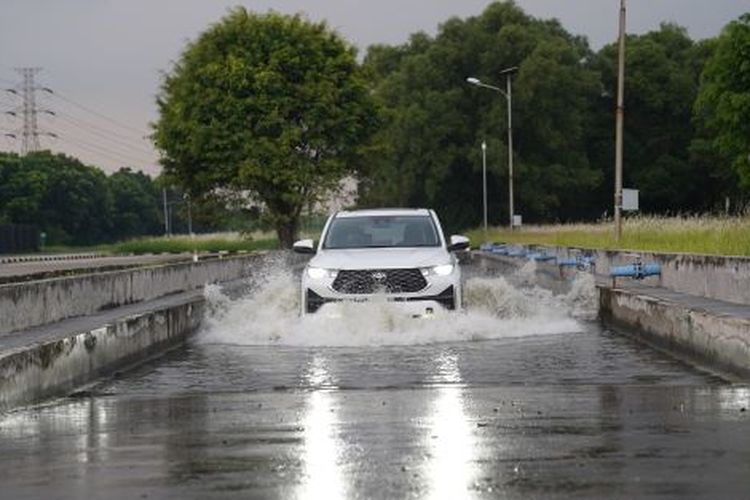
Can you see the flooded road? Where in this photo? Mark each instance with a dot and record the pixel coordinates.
(524, 396)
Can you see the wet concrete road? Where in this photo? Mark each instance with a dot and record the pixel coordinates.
(585, 414)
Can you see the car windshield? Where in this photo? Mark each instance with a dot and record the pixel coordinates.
(382, 231)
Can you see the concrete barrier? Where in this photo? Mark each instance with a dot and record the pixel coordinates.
(707, 325)
(25, 305)
(716, 277)
(719, 341)
(157, 309)
(56, 366)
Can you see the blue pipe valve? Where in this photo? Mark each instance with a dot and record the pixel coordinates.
(540, 257)
(637, 271)
(579, 262)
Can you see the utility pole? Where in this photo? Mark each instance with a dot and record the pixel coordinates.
(620, 124)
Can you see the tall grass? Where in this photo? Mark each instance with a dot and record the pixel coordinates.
(230, 242)
(701, 234)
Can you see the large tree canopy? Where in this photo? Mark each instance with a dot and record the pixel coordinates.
(71, 202)
(724, 99)
(75, 203)
(435, 122)
(267, 104)
(662, 74)
(137, 204)
(564, 114)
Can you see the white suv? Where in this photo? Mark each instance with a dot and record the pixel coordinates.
(399, 255)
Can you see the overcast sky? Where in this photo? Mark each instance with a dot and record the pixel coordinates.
(105, 56)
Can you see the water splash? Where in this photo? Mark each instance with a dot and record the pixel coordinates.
(494, 309)
(526, 274)
(583, 299)
(496, 297)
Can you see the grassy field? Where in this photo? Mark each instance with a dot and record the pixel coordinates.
(231, 242)
(703, 235)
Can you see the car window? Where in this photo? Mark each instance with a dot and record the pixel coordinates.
(382, 231)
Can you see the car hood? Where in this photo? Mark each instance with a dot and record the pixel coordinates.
(381, 258)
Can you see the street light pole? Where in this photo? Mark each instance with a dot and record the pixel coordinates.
(508, 94)
(190, 215)
(166, 211)
(620, 124)
(484, 184)
(508, 76)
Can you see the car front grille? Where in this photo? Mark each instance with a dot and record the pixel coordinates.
(374, 280)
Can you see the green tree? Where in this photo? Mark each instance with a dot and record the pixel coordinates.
(660, 157)
(270, 105)
(723, 105)
(136, 202)
(68, 200)
(435, 122)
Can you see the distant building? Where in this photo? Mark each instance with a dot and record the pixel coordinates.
(345, 196)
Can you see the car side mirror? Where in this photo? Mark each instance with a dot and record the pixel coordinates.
(458, 242)
(304, 246)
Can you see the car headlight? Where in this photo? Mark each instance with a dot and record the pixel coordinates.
(443, 270)
(318, 273)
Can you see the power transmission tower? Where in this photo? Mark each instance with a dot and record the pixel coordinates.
(30, 131)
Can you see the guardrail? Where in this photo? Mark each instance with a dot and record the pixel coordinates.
(15, 259)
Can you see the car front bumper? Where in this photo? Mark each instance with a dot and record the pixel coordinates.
(411, 303)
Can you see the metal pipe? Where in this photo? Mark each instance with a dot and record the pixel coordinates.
(637, 271)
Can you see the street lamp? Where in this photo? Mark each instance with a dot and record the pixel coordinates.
(508, 94)
(484, 184)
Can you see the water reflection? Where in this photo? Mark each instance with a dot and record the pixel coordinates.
(323, 477)
(317, 374)
(451, 443)
(735, 398)
(36, 439)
